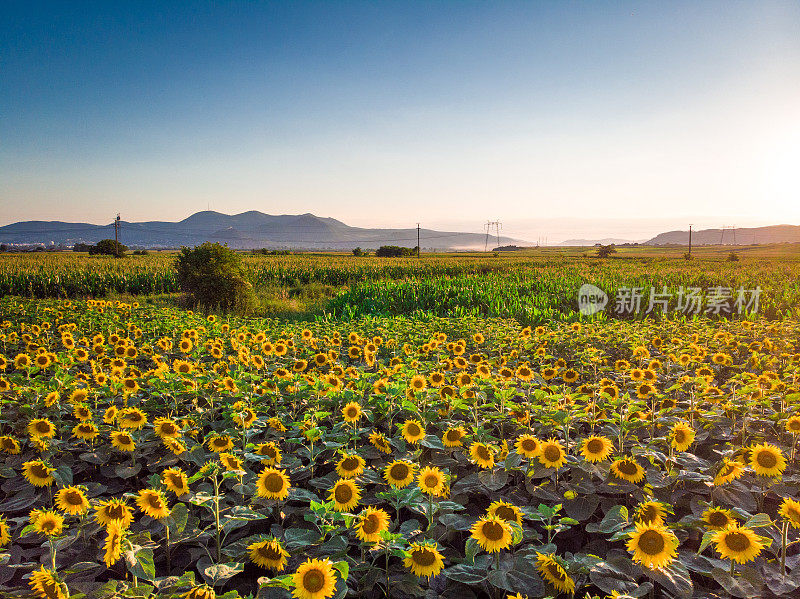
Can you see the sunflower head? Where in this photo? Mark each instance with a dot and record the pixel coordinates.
(424, 559)
(505, 511)
(314, 579)
(413, 431)
(790, 510)
(431, 481)
(350, 466)
(716, 518)
(482, 455)
(72, 500)
(269, 554)
(596, 448)
(738, 544)
(273, 484)
(345, 495)
(492, 533)
(551, 454)
(767, 460)
(554, 572)
(653, 545)
(371, 523)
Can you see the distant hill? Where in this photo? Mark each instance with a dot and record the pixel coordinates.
(248, 230)
(592, 242)
(743, 236)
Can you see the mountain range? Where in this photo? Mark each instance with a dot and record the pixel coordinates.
(255, 229)
(248, 230)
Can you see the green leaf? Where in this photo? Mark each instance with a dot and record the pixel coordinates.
(472, 548)
(344, 569)
(179, 515)
(465, 574)
(758, 521)
(140, 562)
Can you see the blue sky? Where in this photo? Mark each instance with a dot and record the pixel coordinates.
(565, 119)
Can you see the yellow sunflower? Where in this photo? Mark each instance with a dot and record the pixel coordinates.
(627, 469)
(371, 523)
(482, 455)
(109, 511)
(219, 443)
(268, 554)
(72, 500)
(651, 512)
(166, 428)
(654, 546)
(38, 473)
(717, 518)
(113, 547)
(41, 427)
(132, 418)
(86, 431)
(231, 462)
(46, 585)
(48, 522)
(314, 579)
(730, 471)
(453, 436)
(153, 503)
(345, 495)
(424, 559)
(271, 453)
(380, 442)
(350, 466)
(202, 591)
(412, 431)
(554, 573)
(551, 454)
(767, 460)
(431, 481)
(9, 445)
(273, 484)
(681, 436)
(790, 510)
(399, 474)
(793, 424)
(505, 511)
(738, 544)
(596, 449)
(175, 480)
(351, 412)
(122, 441)
(5, 532)
(492, 533)
(528, 446)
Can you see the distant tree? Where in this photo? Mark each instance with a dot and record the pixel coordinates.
(3, 247)
(358, 252)
(604, 251)
(81, 247)
(214, 276)
(108, 247)
(394, 251)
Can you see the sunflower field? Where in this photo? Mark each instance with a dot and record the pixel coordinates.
(153, 452)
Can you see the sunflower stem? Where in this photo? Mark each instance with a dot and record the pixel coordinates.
(784, 536)
(52, 554)
(169, 554)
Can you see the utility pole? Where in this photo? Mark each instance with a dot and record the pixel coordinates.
(690, 241)
(418, 246)
(116, 237)
(489, 225)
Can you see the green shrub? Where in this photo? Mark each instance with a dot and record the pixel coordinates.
(108, 247)
(214, 276)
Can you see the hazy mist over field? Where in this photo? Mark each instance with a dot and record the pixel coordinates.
(562, 120)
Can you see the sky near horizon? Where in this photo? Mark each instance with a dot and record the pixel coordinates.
(560, 119)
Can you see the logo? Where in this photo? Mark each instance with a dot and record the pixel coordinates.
(591, 299)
